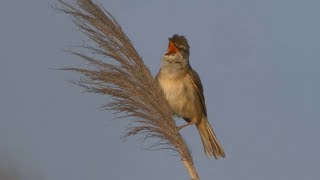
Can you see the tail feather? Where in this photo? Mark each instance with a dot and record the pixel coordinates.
(211, 144)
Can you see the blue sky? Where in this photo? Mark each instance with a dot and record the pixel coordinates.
(258, 60)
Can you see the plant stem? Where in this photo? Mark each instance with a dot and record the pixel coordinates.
(190, 168)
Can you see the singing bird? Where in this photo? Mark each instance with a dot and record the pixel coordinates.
(184, 92)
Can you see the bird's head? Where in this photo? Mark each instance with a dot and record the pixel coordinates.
(178, 45)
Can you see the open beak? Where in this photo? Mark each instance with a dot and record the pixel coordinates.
(171, 49)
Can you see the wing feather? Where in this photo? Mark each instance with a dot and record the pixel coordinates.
(195, 79)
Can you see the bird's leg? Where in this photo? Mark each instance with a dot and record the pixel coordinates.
(185, 125)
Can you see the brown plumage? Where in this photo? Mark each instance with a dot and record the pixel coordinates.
(184, 92)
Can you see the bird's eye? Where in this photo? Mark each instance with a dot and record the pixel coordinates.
(181, 48)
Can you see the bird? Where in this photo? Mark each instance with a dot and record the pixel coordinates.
(183, 91)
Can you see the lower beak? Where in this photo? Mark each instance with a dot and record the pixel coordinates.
(171, 49)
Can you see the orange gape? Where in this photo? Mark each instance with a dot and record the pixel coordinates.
(171, 49)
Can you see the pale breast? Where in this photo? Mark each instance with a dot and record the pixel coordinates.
(173, 89)
(181, 96)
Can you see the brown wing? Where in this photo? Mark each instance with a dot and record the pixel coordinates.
(195, 79)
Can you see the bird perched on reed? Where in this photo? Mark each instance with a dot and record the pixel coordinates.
(184, 92)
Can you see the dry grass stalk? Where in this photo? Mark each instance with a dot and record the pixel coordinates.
(127, 80)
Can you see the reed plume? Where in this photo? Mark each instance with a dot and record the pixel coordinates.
(125, 78)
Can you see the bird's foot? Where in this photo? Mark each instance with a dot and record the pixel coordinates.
(185, 125)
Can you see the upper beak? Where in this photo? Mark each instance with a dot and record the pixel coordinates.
(171, 49)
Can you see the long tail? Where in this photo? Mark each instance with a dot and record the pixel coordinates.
(211, 144)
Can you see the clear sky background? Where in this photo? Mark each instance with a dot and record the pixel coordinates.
(258, 60)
